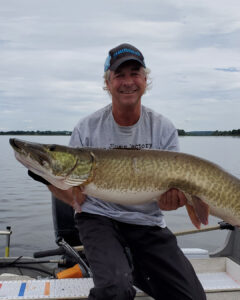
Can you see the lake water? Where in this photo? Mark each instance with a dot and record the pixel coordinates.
(26, 204)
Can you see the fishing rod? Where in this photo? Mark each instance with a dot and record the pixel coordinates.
(65, 248)
(23, 261)
(222, 225)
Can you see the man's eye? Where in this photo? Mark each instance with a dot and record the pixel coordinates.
(119, 75)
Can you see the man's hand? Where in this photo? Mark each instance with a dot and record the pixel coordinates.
(172, 199)
(74, 196)
(78, 198)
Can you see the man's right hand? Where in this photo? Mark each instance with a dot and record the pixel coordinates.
(73, 196)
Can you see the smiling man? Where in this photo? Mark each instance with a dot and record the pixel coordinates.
(127, 85)
(108, 231)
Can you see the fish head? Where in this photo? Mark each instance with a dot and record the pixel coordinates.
(60, 165)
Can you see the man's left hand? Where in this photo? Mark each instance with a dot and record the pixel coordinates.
(172, 199)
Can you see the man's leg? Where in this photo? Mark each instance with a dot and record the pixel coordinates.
(106, 255)
(161, 269)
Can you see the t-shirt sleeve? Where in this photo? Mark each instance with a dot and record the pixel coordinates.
(75, 140)
(172, 143)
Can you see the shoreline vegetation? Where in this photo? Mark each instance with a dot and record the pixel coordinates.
(234, 132)
(37, 132)
(181, 132)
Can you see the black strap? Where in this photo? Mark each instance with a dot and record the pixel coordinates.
(38, 178)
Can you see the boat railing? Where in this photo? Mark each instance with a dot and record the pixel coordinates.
(8, 233)
(231, 247)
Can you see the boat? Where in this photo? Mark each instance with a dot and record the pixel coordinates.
(40, 278)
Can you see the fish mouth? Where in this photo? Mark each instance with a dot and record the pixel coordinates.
(36, 157)
(28, 147)
(13, 143)
(20, 145)
(29, 151)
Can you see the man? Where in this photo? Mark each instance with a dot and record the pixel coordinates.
(155, 263)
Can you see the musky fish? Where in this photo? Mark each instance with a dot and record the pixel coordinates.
(136, 176)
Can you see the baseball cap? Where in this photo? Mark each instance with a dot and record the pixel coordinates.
(120, 54)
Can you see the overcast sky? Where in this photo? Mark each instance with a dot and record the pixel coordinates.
(52, 54)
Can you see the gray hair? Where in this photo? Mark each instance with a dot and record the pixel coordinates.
(147, 71)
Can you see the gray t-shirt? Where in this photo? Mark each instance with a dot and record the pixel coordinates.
(152, 131)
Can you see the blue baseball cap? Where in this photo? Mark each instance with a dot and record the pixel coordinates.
(120, 54)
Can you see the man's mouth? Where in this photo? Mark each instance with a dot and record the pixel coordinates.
(128, 91)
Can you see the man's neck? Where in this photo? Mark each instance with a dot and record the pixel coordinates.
(127, 116)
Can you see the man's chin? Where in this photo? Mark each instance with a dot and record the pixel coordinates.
(130, 102)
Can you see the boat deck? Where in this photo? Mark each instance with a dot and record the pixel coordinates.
(220, 277)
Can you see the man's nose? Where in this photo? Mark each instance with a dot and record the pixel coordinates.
(128, 80)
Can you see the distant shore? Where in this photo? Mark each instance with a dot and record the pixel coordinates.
(181, 132)
(234, 132)
(38, 132)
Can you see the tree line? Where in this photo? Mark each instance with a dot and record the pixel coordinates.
(234, 132)
(181, 132)
(38, 132)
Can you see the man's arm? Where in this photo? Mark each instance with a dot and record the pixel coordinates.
(73, 196)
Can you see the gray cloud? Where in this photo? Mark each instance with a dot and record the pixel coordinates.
(230, 69)
(52, 55)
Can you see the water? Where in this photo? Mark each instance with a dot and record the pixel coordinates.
(26, 204)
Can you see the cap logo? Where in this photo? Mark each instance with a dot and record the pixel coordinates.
(126, 50)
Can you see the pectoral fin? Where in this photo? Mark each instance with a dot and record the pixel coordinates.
(198, 212)
(193, 217)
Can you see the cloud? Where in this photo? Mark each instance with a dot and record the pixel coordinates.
(52, 55)
(230, 69)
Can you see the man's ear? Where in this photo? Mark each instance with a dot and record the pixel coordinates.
(107, 84)
(145, 82)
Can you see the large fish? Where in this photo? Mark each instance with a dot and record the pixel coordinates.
(136, 176)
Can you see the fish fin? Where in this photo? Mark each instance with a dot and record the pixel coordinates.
(198, 211)
(202, 209)
(193, 216)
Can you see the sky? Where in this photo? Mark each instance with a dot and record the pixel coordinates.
(52, 55)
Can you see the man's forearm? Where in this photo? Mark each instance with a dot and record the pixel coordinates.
(63, 195)
(73, 197)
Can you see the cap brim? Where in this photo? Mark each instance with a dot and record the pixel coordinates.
(120, 61)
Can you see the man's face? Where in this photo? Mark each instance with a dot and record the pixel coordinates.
(127, 84)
